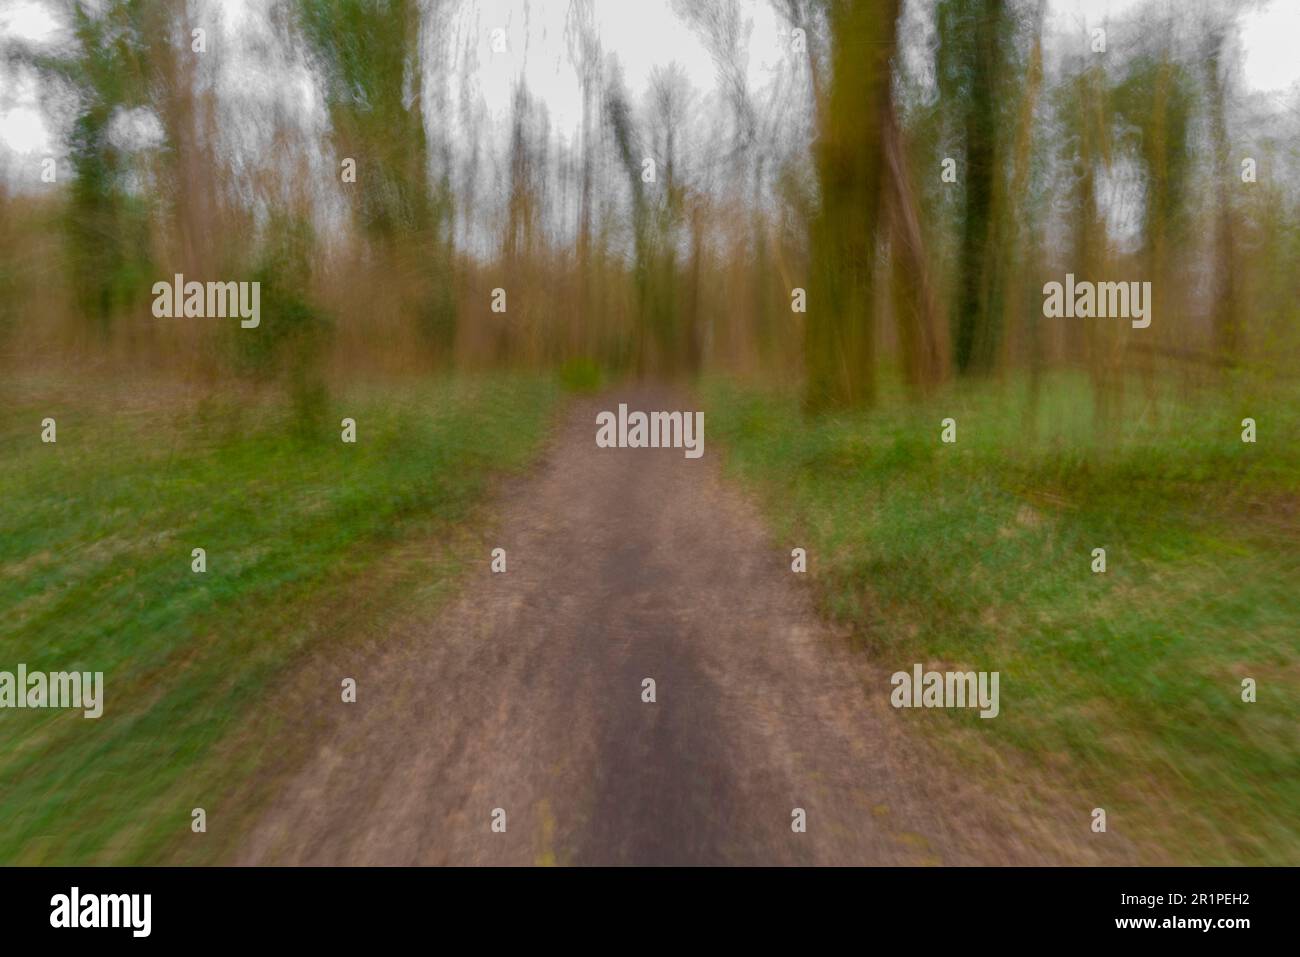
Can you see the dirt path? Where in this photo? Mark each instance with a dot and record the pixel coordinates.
(525, 695)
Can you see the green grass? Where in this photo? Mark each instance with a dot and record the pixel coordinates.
(1124, 686)
(581, 375)
(95, 575)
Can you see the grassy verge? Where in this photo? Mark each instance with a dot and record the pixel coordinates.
(1124, 686)
(95, 575)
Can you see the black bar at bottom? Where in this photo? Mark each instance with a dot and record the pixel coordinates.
(668, 906)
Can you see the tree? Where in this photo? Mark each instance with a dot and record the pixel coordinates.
(368, 52)
(971, 66)
(839, 351)
(109, 70)
(1226, 319)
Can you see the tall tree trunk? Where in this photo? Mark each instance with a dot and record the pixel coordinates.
(915, 308)
(839, 332)
(977, 322)
(1226, 329)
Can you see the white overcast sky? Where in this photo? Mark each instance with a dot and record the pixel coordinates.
(642, 34)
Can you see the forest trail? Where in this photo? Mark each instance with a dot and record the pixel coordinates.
(525, 694)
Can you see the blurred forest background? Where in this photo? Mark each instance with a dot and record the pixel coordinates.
(813, 160)
(652, 185)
